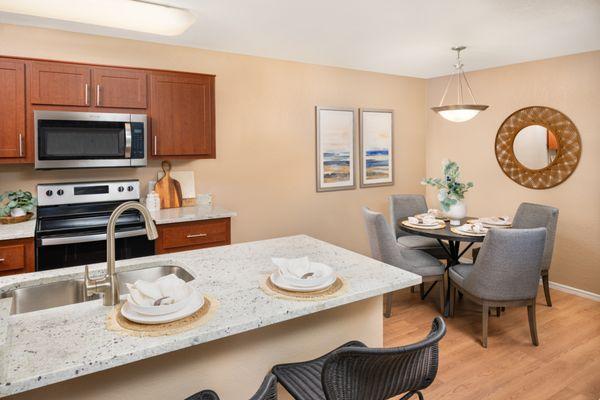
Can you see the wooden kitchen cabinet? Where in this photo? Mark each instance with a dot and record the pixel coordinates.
(60, 84)
(184, 236)
(119, 88)
(182, 115)
(12, 109)
(180, 105)
(16, 256)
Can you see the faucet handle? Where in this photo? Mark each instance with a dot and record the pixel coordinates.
(89, 284)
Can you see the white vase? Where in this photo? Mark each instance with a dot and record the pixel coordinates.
(17, 212)
(457, 212)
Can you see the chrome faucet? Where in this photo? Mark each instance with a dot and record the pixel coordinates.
(108, 285)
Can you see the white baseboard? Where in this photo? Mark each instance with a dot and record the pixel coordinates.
(575, 291)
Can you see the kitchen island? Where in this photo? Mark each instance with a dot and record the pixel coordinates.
(67, 352)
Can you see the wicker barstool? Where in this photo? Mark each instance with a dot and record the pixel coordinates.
(356, 372)
(267, 391)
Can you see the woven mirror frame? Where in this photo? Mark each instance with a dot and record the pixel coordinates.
(569, 147)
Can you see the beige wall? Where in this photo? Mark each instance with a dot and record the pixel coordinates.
(570, 84)
(265, 166)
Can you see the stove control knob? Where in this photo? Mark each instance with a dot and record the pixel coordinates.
(48, 192)
(60, 192)
(130, 188)
(120, 188)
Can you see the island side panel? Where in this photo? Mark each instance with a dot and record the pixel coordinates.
(234, 366)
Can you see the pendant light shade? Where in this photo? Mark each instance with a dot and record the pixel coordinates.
(459, 112)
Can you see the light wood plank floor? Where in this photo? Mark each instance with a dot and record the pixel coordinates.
(566, 365)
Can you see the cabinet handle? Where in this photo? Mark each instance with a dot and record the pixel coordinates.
(20, 145)
(155, 146)
(195, 235)
(87, 94)
(2, 260)
(97, 95)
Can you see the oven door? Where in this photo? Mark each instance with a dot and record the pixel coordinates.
(82, 140)
(60, 251)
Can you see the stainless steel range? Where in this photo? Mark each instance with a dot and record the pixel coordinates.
(72, 219)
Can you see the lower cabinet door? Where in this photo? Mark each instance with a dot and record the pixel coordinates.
(16, 256)
(193, 235)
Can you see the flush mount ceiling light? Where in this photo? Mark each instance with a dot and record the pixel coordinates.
(133, 15)
(459, 112)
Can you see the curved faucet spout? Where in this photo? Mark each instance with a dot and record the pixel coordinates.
(108, 285)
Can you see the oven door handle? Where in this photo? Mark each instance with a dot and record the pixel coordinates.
(89, 238)
(127, 139)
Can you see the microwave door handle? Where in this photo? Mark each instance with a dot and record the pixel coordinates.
(127, 140)
(89, 238)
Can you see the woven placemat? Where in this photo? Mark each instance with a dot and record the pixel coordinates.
(118, 323)
(459, 232)
(441, 225)
(336, 289)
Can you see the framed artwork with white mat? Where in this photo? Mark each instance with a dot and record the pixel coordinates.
(335, 148)
(376, 147)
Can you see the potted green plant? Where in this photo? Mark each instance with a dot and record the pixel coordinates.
(16, 204)
(451, 192)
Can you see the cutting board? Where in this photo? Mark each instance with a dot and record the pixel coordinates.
(168, 189)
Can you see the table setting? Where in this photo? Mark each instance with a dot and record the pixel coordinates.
(303, 279)
(165, 306)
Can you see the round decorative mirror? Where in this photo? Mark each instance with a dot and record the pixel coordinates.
(538, 147)
(535, 147)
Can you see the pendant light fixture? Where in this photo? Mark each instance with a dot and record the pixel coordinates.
(460, 111)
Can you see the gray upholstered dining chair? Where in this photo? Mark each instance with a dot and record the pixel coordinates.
(403, 206)
(385, 249)
(356, 372)
(530, 215)
(505, 274)
(267, 391)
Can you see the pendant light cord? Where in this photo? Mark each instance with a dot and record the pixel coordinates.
(460, 73)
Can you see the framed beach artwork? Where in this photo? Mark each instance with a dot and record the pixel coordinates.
(376, 147)
(335, 149)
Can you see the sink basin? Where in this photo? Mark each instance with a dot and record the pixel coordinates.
(45, 296)
(151, 274)
(71, 291)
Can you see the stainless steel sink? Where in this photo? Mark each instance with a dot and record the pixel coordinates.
(150, 274)
(71, 291)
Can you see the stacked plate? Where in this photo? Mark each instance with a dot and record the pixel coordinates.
(166, 300)
(472, 229)
(495, 221)
(302, 275)
(427, 221)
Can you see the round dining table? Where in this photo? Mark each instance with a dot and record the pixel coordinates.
(450, 242)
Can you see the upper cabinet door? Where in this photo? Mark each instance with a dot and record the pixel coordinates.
(60, 84)
(119, 88)
(12, 109)
(182, 115)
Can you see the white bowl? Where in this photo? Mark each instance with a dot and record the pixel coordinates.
(327, 273)
(277, 280)
(162, 309)
(195, 302)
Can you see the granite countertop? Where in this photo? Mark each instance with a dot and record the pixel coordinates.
(22, 230)
(53, 345)
(187, 214)
(25, 230)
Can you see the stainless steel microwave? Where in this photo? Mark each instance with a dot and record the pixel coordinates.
(71, 139)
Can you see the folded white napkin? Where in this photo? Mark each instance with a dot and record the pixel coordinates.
(476, 227)
(296, 268)
(167, 289)
(504, 220)
(424, 219)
